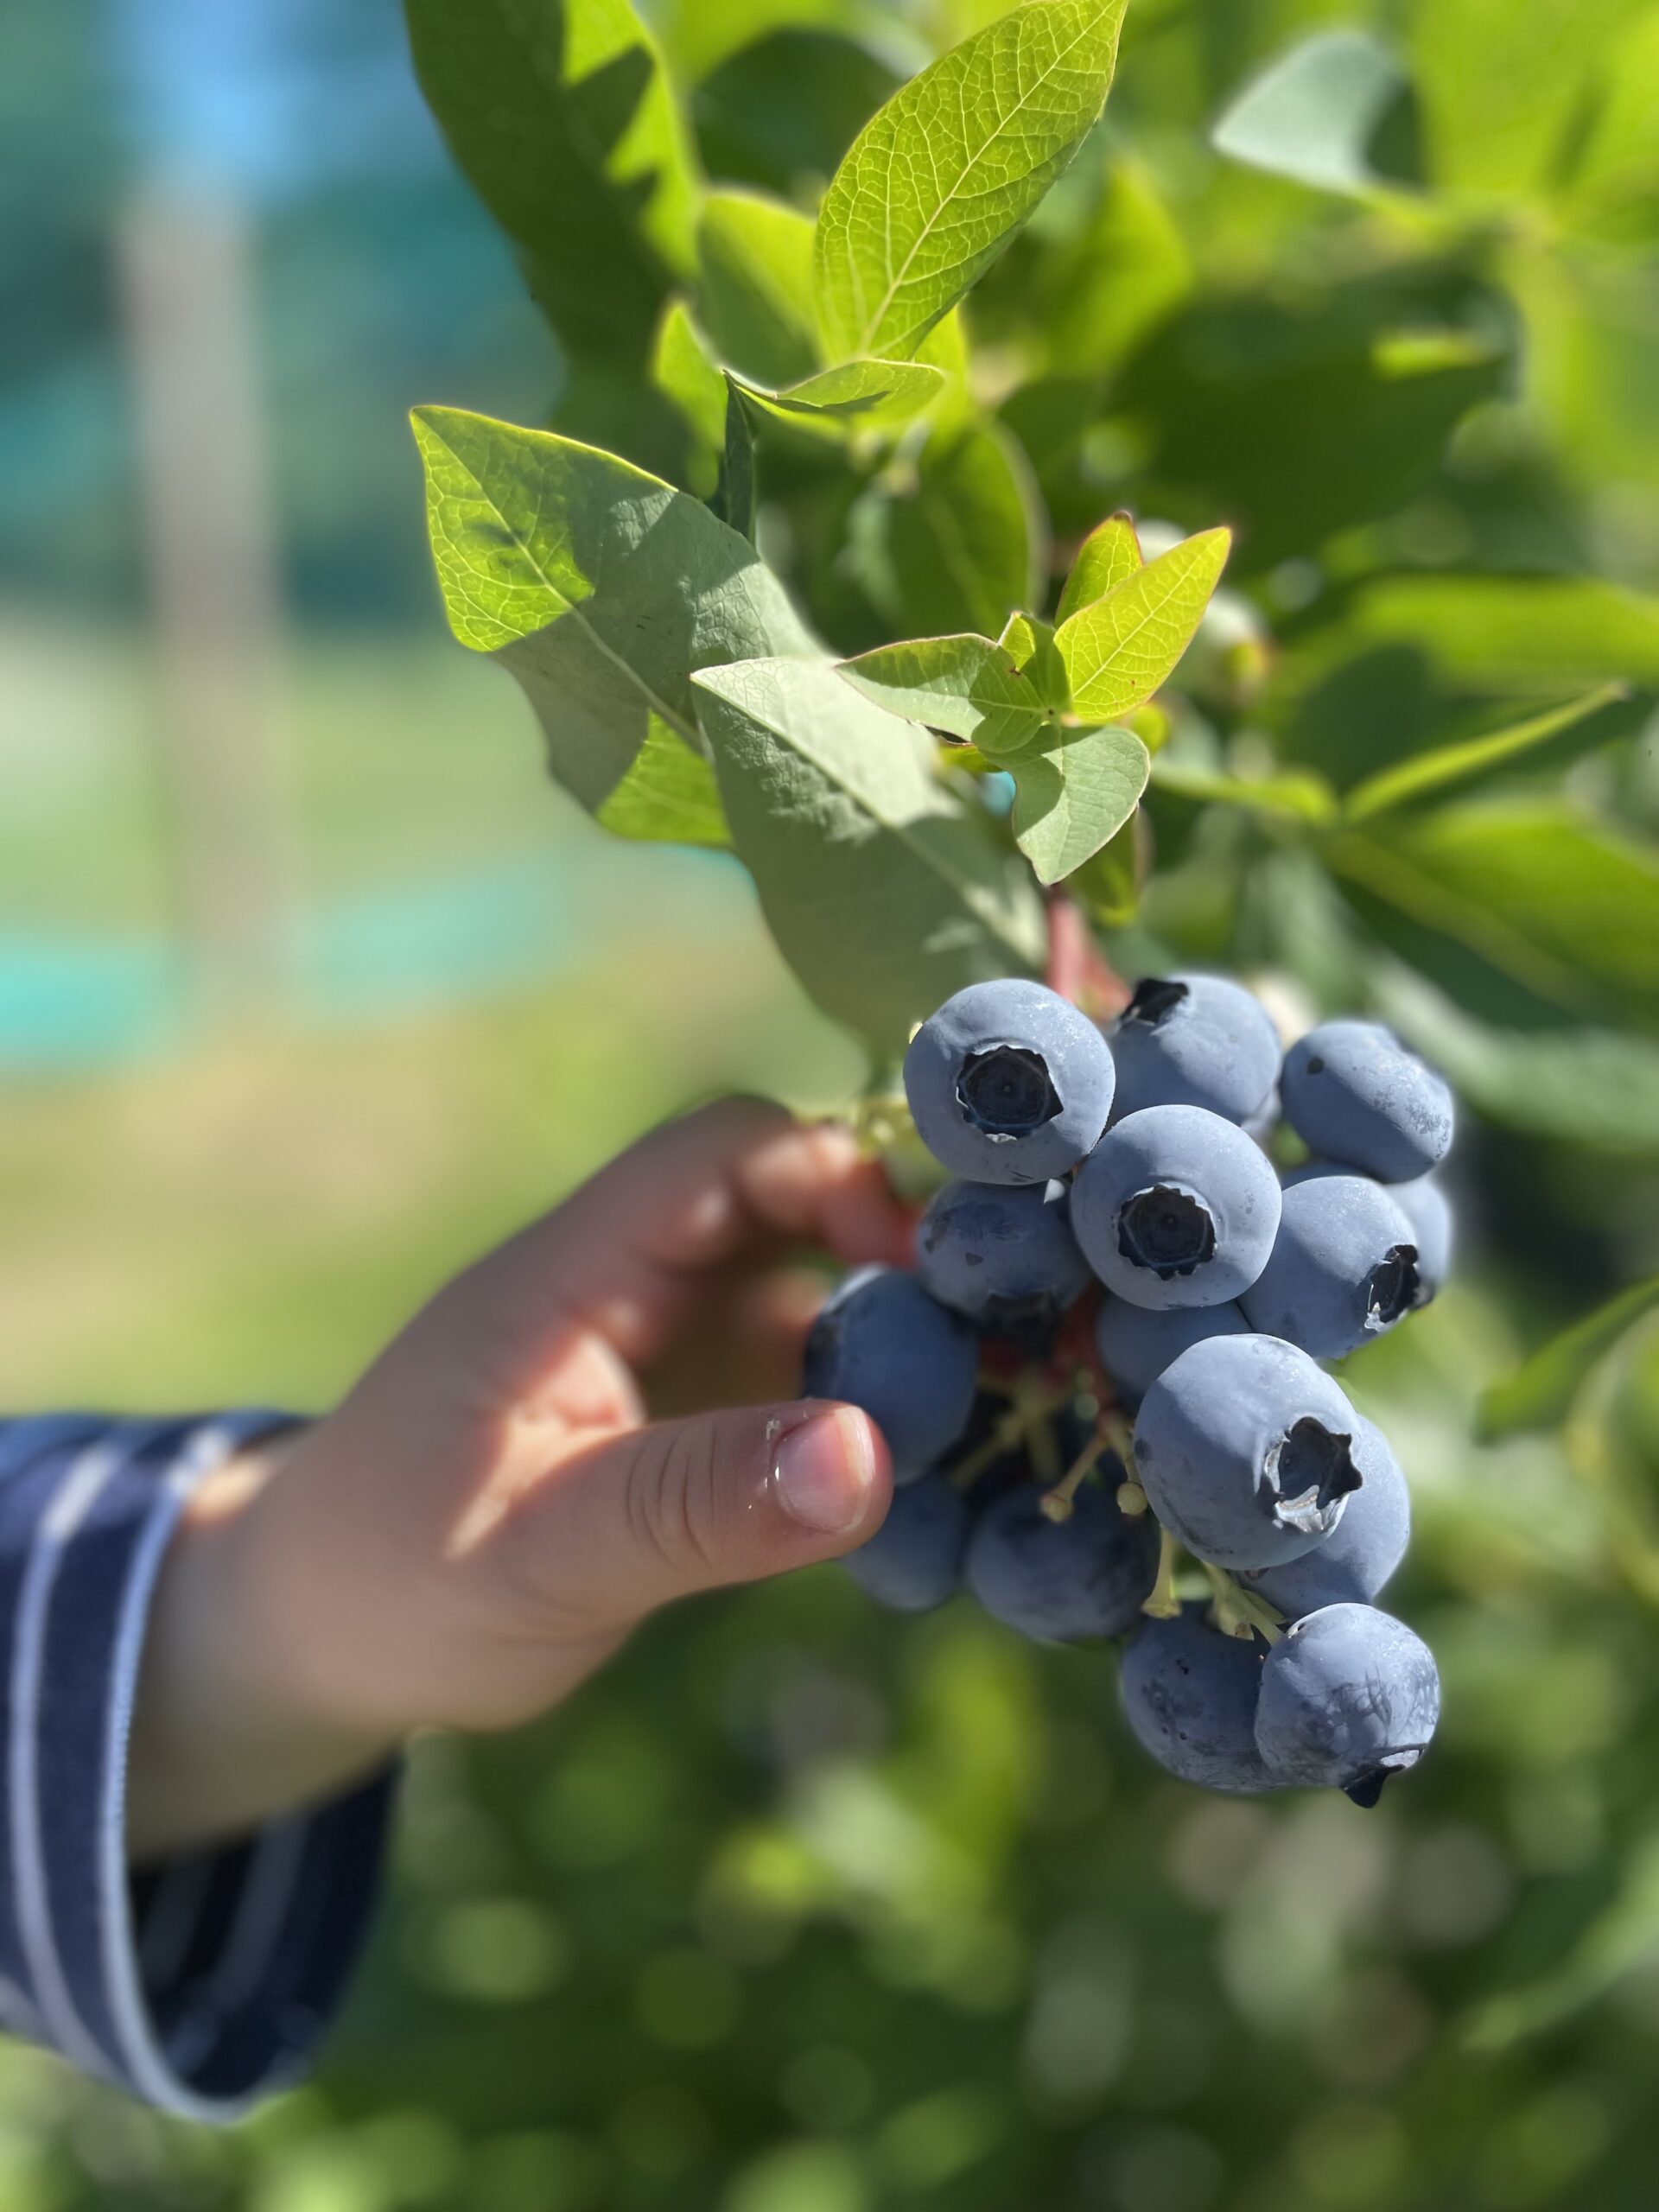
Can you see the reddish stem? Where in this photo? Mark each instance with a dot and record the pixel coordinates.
(1078, 968)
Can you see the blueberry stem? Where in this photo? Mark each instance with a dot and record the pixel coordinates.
(1028, 1412)
(1132, 1501)
(1163, 1605)
(1057, 1503)
(1241, 1612)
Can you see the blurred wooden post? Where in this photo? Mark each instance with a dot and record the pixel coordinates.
(215, 598)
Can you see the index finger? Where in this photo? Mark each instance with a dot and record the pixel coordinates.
(625, 1254)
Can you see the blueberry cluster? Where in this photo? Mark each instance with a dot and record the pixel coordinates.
(1108, 1357)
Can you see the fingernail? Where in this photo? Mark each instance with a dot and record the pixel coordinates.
(823, 1471)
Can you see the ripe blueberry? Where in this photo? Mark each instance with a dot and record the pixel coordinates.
(1244, 1448)
(1354, 1093)
(1002, 1254)
(1348, 1697)
(1176, 1207)
(913, 1561)
(1190, 1695)
(1136, 1344)
(1343, 1267)
(1007, 1082)
(882, 1343)
(1087, 1576)
(1193, 1040)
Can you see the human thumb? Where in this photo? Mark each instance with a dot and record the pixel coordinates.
(650, 1513)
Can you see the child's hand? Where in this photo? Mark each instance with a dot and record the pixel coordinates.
(490, 1512)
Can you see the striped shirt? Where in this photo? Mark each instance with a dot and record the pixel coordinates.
(201, 1983)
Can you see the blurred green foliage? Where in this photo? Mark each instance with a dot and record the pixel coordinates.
(800, 1909)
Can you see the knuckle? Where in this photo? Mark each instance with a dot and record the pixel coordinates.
(674, 1498)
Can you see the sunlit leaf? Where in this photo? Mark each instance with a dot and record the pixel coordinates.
(1316, 113)
(562, 118)
(938, 179)
(1120, 649)
(1110, 555)
(603, 590)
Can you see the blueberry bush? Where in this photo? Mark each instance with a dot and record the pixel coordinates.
(1205, 532)
(1093, 497)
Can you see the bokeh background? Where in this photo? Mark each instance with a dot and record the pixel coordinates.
(310, 985)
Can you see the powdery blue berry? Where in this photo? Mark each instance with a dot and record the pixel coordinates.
(1176, 1207)
(1344, 1267)
(1190, 1695)
(913, 1561)
(1245, 1449)
(1002, 1254)
(1136, 1344)
(884, 1344)
(1193, 1040)
(1354, 1093)
(1348, 1697)
(1057, 1580)
(1355, 1562)
(1007, 1082)
(1433, 1229)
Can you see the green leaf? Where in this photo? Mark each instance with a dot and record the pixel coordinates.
(1596, 1089)
(1109, 884)
(756, 291)
(781, 110)
(1296, 795)
(871, 393)
(941, 177)
(950, 540)
(1540, 1394)
(1089, 299)
(1550, 899)
(1617, 1942)
(1316, 114)
(1425, 773)
(1508, 633)
(1120, 649)
(1072, 794)
(735, 499)
(1298, 418)
(684, 369)
(603, 590)
(885, 892)
(965, 685)
(561, 115)
(1033, 648)
(1110, 555)
(1504, 90)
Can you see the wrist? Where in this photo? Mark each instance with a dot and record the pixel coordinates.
(232, 1725)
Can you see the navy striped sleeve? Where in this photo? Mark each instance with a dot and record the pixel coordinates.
(203, 1983)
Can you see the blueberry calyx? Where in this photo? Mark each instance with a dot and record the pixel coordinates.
(1154, 996)
(1312, 1471)
(1393, 1288)
(1006, 1092)
(1366, 1789)
(1165, 1230)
